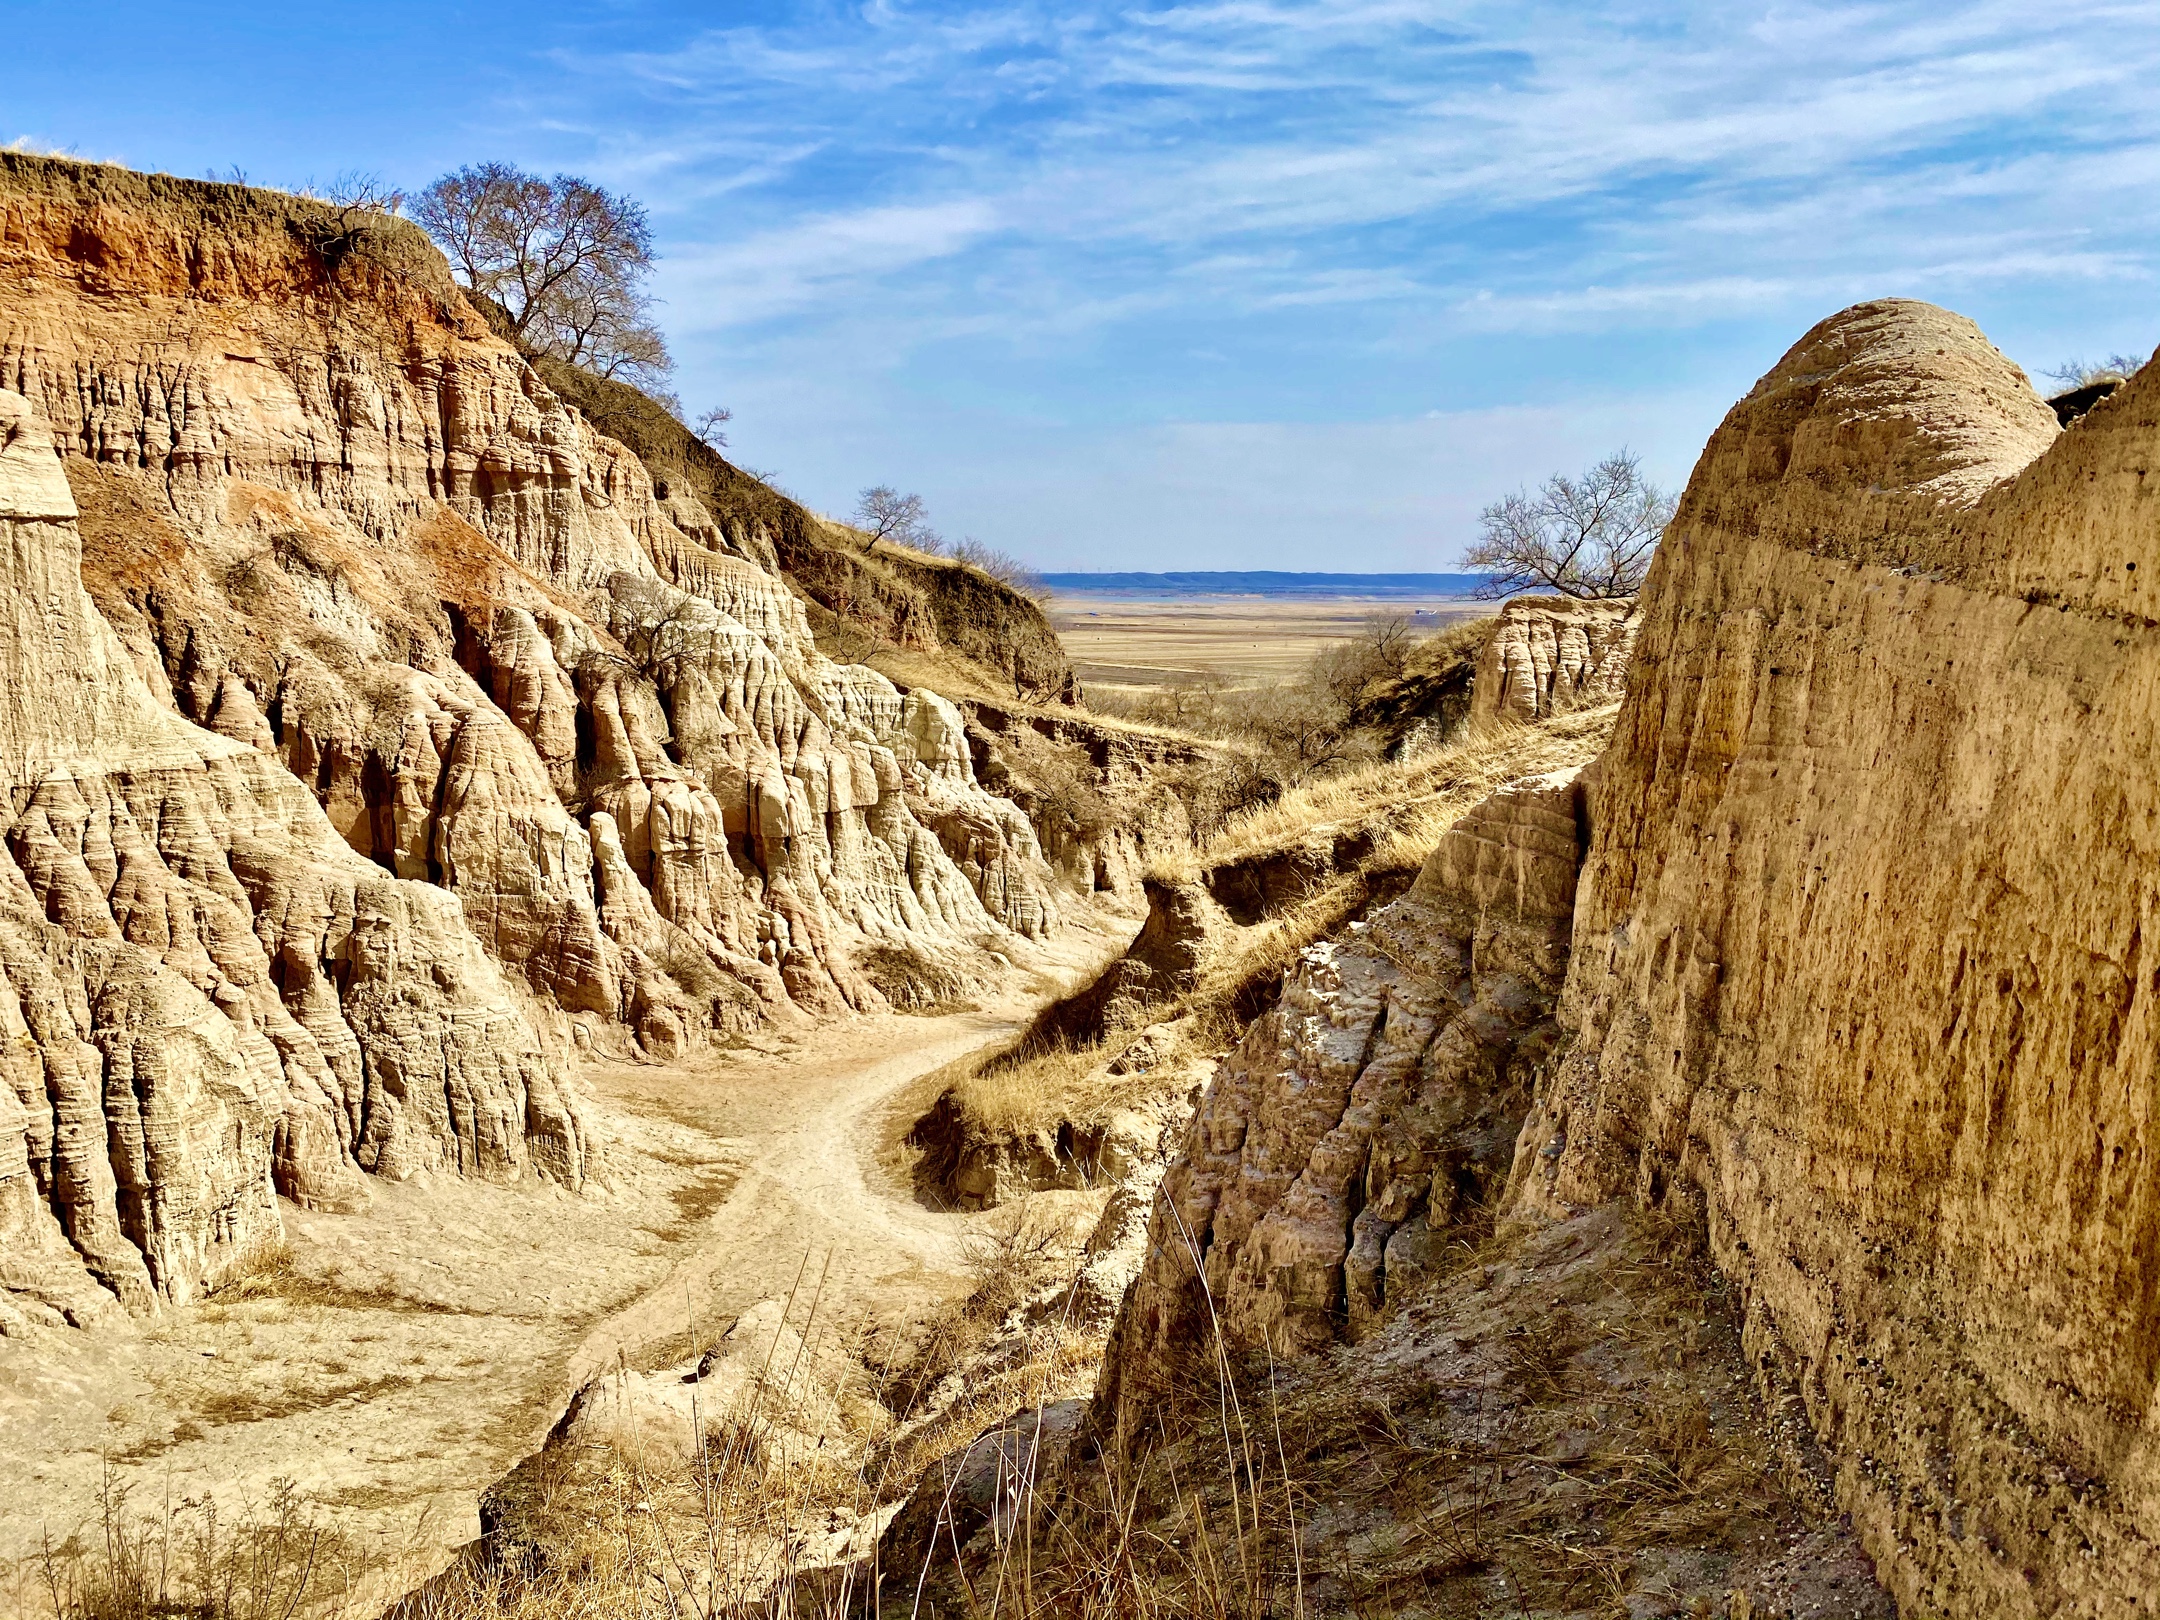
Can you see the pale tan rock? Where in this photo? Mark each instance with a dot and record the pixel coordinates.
(1550, 653)
(1856, 971)
(374, 538)
(1860, 966)
(405, 728)
(1382, 1091)
(214, 1000)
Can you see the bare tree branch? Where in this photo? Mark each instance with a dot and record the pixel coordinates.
(1587, 537)
(564, 259)
(708, 425)
(883, 513)
(2079, 372)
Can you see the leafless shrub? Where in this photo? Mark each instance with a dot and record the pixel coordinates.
(272, 1560)
(707, 428)
(1001, 566)
(1065, 793)
(2082, 373)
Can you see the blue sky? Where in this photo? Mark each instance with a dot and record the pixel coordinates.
(1233, 284)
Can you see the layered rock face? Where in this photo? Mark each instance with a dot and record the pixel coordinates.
(398, 676)
(1860, 961)
(1550, 653)
(344, 525)
(1101, 800)
(208, 998)
(1375, 1103)
(1857, 975)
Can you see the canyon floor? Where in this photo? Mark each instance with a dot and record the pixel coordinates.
(400, 1360)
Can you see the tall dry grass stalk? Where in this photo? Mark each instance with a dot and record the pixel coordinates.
(272, 1559)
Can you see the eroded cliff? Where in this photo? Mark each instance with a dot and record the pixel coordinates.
(209, 998)
(1859, 961)
(1855, 982)
(486, 746)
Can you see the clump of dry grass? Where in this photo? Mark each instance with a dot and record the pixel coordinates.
(1417, 800)
(944, 1387)
(268, 1559)
(1016, 1091)
(265, 1269)
(1566, 1411)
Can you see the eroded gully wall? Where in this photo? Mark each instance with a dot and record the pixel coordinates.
(206, 997)
(1858, 972)
(409, 598)
(1860, 959)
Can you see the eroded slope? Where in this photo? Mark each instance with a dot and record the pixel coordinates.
(354, 559)
(1857, 980)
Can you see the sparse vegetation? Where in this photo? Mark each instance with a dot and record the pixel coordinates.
(1001, 566)
(2081, 373)
(1352, 703)
(272, 1559)
(922, 619)
(1343, 843)
(563, 259)
(1588, 537)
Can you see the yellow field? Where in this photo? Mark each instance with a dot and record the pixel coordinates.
(1136, 646)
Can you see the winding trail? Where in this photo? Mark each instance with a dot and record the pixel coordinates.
(414, 1352)
(809, 1119)
(807, 1112)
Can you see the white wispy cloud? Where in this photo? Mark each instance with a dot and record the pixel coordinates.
(1635, 141)
(1245, 207)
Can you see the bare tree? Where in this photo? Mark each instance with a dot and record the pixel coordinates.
(883, 513)
(1302, 727)
(1588, 537)
(564, 259)
(2079, 373)
(707, 427)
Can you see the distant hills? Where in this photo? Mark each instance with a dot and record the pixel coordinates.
(1264, 582)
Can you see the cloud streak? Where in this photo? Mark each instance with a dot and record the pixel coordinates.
(1379, 145)
(1129, 216)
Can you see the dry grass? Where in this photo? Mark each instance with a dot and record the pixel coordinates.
(1536, 1436)
(1017, 1091)
(272, 1559)
(1054, 1082)
(1565, 1415)
(1009, 1343)
(761, 1521)
(1419, 799)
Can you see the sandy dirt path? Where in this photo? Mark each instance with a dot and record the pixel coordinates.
(413, 1353)
(807, 1120)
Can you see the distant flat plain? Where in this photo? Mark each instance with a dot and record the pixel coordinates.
(1135, 640)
